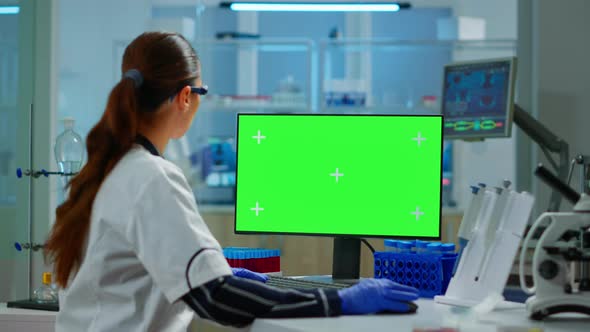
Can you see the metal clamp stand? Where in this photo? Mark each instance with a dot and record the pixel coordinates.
(35, 174)
(32, 246)
(584, 161)
(548, 142)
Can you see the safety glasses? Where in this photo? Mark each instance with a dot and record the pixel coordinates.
(200, 90)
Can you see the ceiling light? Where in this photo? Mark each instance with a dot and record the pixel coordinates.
(316, 7)
(9, 10)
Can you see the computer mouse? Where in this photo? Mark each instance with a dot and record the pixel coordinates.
(413, 308)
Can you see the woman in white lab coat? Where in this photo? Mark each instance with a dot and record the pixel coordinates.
(129, 248)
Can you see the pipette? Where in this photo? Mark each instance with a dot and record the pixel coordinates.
(468, 221)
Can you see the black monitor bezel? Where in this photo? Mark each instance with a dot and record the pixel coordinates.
(510, 105)
(333, 234)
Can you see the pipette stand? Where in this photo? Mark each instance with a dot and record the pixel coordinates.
(485, 264)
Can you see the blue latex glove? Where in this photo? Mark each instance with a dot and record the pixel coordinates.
(375, 295)
(245, 273)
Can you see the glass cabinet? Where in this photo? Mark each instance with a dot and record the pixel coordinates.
(394, 77)
(251, 76)
(375, 76)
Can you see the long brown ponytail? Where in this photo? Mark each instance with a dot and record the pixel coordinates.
(167, 63)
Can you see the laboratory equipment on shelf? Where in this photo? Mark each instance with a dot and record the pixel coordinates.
(289, 92)
(217, 176)
(561, 260)
(495, 227)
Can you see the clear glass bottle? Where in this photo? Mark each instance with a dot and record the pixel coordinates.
(45, 293)
(69, 150)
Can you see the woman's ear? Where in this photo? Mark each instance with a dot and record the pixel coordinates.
(183, 98)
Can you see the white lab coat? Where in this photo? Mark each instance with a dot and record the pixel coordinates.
(144, 228)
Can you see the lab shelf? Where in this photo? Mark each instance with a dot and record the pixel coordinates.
(376, 110)
(270, 108)
(385, 76)
(244, 76)
(391, 76)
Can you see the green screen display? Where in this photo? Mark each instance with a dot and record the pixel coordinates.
(359, 175)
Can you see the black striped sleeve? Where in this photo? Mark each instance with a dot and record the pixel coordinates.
(236, 301)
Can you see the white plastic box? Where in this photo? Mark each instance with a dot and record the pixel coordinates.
(461, 28)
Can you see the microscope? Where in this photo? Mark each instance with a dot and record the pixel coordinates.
(561, 259)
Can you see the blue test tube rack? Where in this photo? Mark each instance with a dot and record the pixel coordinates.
(429, 273)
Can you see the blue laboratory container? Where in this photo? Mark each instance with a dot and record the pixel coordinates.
(429, 272)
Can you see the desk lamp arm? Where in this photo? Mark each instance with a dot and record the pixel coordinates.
(547, 140)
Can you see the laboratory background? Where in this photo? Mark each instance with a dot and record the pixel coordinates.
(59, 59)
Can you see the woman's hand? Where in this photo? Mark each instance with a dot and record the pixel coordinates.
(245, 273)
(375, 295)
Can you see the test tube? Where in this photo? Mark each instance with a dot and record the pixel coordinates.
(421, 246)
(433, 248)
(404, 247)
(391, 245)
(413, 245)
(447, 249)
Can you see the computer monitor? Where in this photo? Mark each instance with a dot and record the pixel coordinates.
(345, 176)
(478, 98)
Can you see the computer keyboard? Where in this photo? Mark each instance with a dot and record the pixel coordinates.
(284, 282)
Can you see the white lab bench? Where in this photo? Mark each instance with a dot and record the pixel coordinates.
(429, 315)
(17, 320)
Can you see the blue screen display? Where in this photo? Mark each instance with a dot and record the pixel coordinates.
(476, 99)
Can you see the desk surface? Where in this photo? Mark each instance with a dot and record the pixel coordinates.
(429, 315)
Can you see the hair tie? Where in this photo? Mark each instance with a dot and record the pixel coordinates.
(135, 75)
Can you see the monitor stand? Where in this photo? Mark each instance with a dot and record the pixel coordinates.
(346, 261)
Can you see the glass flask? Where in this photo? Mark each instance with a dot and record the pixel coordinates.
(69, 151)
(45, 293)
